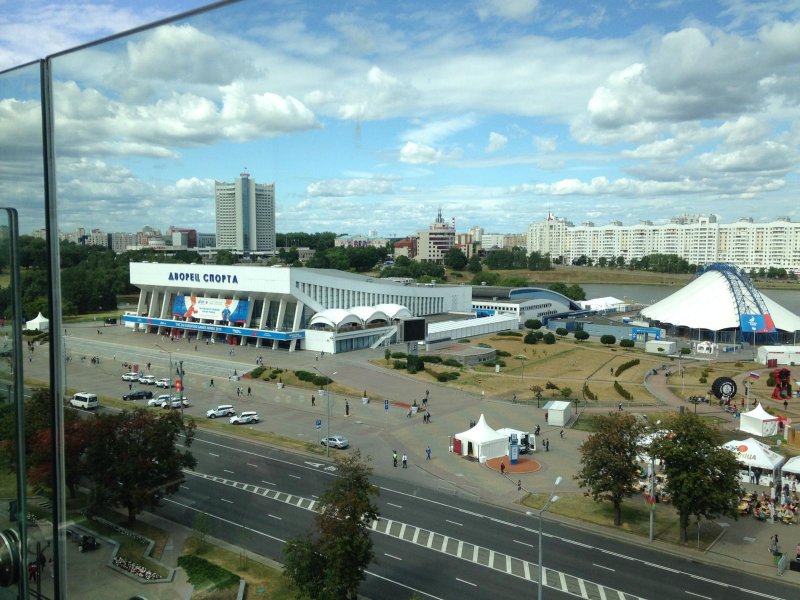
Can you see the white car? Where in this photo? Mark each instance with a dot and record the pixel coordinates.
(132, 376)
(223, 410)
(335, 441)
(147, 379)
(175, 403)
(159, 400)
(249, 416)
(163, 383)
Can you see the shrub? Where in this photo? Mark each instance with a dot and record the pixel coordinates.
(399, 364)
(533, 324)
(530, 338)
(452, 362)
(562, 332)
(608, 340)
(539, 334)
(626, 343)
(550, 386)
(305, 375)
(588, 393)
(510, 333)
(398, 354)
(622, 391)
(445, 377)
(689, 351)
(770, 381)
(703, 379)
(431, 359)
(625, 366)
(414, 364)
(256, 373)
(581, 335)
(738, 364)
(483, 345)
(549, 338)
(502, 353)
(321, 381)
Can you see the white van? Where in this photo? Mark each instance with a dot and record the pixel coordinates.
(84, 400)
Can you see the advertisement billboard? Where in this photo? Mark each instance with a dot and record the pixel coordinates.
(210, 309)
(755, 323)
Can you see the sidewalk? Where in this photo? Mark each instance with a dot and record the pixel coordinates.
(743, 545)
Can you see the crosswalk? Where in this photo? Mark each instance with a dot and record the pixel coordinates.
(438, 542)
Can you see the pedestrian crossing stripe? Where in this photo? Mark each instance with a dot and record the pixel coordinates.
(437, 542)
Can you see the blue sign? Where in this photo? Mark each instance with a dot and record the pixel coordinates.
(318, 424)
(637, 331)
(227, 330)
(386, 405)
(756, 323)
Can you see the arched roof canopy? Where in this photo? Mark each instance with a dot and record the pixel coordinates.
(368, 314)
(394, 311)
(335, 318)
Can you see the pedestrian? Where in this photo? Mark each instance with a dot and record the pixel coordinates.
(33, 568)
(547, 445)
(562, 434)
(514, 399)
(313, 401)
(195, 347)
(212, 383)
(130, 386)
(427, 394)
(773, 544)
(611, 370)
(538, 429)
(51, 569)
(394, 457)
(148, 366)
(502, 468)
(427, 416)
(519, 485)
(346, 408)
(237, 391)
(545, 417)
(405, 461)
(620, 407)
(408, 414)
(249, 391)
(428, 453)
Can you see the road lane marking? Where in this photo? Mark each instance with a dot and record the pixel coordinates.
(186, 487)
(274, 517)
(698, 595)
(525, 544)
(392, 556)
(454, 522)
(269, 483)
(395, 505)
(227, 471)
(603, 567)
(214, 455)
(252, 465)
(226, 500)
(467, 582)
(295, 476)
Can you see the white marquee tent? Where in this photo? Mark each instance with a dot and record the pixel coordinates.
(759, 422)
(754, 454)
(482, 442)
(39, 323)
(791, 466)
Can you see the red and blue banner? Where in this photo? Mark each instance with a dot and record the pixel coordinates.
(756, 323)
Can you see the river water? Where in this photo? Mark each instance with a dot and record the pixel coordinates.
(648, 294)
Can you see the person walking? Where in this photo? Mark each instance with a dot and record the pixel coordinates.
(249, 391)
(405, 461)
(313, 401)
(620, 407)
(212, 383)
(547, 445)
(130, 386)
(394, 457)
(562, 434)
(502, 468)
(514, 399)
(346, 408)
(428, 453)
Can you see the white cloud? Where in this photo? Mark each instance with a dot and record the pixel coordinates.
(379, 95)
(434, 132)
(545, 144)
(350, 187)
(659, 150)
(514, 10)
(420, 154)
(497, 141)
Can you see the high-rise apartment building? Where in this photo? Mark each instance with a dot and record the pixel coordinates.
(700, 239)
(434, 242)
(245, 215)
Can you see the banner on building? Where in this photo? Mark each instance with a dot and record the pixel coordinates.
(210, 309)
(756, 323)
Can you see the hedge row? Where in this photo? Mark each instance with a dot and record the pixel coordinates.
(201, 572)
(318, 380)
(625, 366)
(587, 393)
(622, 391)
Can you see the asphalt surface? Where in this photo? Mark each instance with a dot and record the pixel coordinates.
(289, 412)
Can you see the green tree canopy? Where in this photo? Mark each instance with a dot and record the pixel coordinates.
(132, 457)
(702, 478)
(455, 259)
(474, 264)
(332, 564)
(608, 460)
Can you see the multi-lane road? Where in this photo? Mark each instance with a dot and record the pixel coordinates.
(437, 545)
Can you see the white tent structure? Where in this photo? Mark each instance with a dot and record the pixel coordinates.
(482, 442)
(39, 323)
(715, 301)
(791, 466)
(558, 412)
(753, 454)
(759, 422)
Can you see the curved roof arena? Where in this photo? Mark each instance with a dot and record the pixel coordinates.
(715, 301)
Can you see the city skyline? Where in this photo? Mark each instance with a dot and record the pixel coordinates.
(372, 118)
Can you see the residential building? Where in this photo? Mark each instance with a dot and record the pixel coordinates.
(435, 241)
(245, 215)
(699, 239)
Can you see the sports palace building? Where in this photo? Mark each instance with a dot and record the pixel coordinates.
(284, 307)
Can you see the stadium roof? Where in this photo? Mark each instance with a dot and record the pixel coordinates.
(715, 301)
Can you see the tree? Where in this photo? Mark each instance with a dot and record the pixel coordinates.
(455, 259)
(474, 264)
(132, 460)
(702, 478)
(608, 340)
(332, 565)
(533, 324)
(608, 460)
(225, 257)
(549, 338)
(581, 335)
(530, 338)
(562, 332)
(566, 393)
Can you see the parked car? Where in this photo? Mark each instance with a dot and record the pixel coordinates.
(132, 376)
(147, 379)
(248, 416)
(223, 410)
(164, 383)
(159, 400)
(175, 403)
(138, 395)
(335, 441)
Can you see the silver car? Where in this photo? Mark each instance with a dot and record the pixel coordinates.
(249, 416)
(335, 441)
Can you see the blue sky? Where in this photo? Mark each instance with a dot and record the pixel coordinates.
(371, 115)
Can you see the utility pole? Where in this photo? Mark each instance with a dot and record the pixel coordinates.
(180, 370)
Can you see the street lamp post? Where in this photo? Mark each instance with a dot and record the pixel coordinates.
(180, 374)
(552, 499)
(522, 358)
(170, 366)
(328, 399)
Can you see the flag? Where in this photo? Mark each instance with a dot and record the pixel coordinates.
(755, 375)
